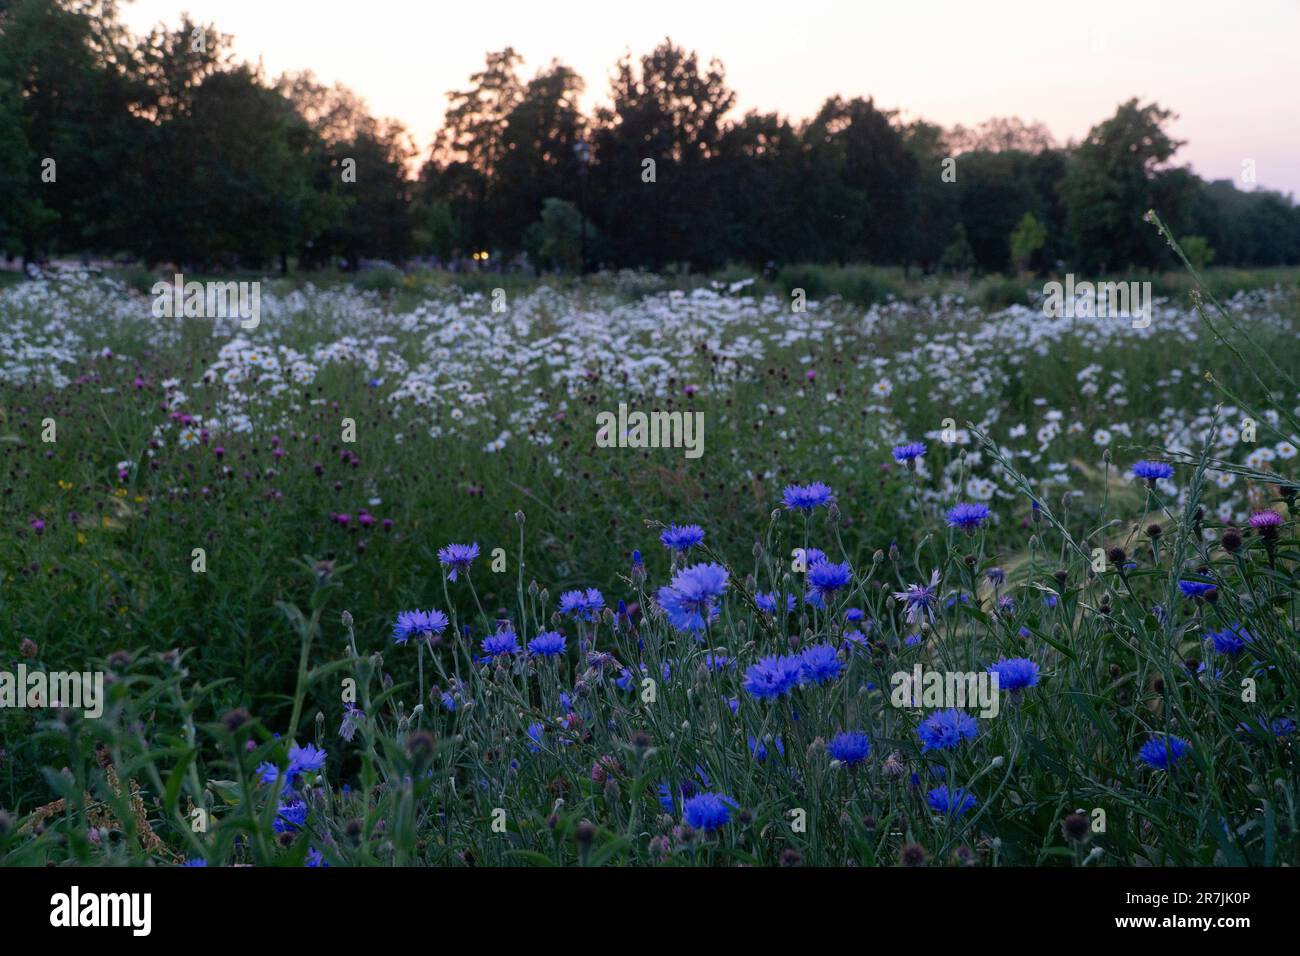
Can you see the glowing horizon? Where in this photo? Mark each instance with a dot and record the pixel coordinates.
(1232, 82)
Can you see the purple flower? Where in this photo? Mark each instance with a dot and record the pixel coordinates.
(1266, 523)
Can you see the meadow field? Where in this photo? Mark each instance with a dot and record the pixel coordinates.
(365, 587)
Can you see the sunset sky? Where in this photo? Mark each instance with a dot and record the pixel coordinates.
(1231, 71)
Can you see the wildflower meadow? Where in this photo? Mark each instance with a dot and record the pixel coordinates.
(368, 585)
(533, 458)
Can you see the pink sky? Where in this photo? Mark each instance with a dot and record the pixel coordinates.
(1231, 71)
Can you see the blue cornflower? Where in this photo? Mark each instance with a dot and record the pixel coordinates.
(849, 748)
(585, 604)
(290, 816)
(713, 663)
(952, 803)
(854, 614)
(807, 497)
(1163, 751)
(766, 601)
(314, 858)
(1015, 673)
(305, 759)
(692, 595)
(666, 798)
(821, 665)
(353, 717)
(759, 749)
(698, 585)
(535, 731)
(458, 557)
(1262, 727)
(1231, 641)
(920, 599)
(907, 454)
(967, 516)
(547, 644)
(683, 537)
(708, 811)
(827, 578)
(422, 625)
(995, 575)
(946, 729)
(681, 615)
(1152, 471)
(1194, 589)
(773, 676)
(502, 642)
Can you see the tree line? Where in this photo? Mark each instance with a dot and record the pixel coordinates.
(167, 148)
